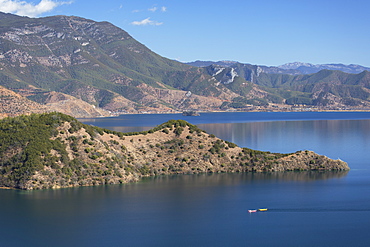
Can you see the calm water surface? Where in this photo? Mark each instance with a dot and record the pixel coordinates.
(305, 208)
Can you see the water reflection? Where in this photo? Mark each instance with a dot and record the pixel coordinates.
(61, 207)
(126, 129)
(222, 117)
(235, 179)
(102, 193)
(256, 133)
(167, 209)
(348, 140)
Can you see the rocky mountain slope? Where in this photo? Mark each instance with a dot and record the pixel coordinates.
(54, 150)
(326, 89)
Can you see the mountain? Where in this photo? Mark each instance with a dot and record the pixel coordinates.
(267, 69)
(326, 89)
(87, 69)
(295, 68)
(199, 63)
(307, 68)
(98, 63)
(105, 67)
(54, 150)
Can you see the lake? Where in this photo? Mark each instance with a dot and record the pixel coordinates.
(305, 208)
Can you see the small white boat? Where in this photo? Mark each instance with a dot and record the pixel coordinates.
(252, 210)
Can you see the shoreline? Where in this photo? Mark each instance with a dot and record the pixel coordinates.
(7, 188)
(178, 112)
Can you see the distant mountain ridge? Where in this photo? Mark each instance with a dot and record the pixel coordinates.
(307, 68)
(291, 68)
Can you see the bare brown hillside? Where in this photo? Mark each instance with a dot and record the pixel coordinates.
(13, 104)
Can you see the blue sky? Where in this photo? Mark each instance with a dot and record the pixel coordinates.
(264, 32)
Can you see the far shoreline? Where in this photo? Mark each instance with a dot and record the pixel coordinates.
(208, 112)
(200, 112)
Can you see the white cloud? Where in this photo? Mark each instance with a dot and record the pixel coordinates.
(146, 22)
(24, 8)
(154, 9)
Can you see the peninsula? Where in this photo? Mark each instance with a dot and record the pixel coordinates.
(54, 150)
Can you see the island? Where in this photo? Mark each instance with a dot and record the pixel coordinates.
(54, 150)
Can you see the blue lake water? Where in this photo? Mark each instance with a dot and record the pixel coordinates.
(305, 208)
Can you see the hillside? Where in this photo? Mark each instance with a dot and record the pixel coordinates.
(96, 62)
(324, 90)
(13, 104)
(53, 150)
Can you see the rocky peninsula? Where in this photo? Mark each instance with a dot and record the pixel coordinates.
(53, 150)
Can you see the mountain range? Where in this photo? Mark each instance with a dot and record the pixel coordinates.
(295, 68)
(86, 68)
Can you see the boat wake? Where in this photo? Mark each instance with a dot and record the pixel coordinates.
(313, 210)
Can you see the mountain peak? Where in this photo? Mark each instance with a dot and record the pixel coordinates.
(308, 68)
(295, 65)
